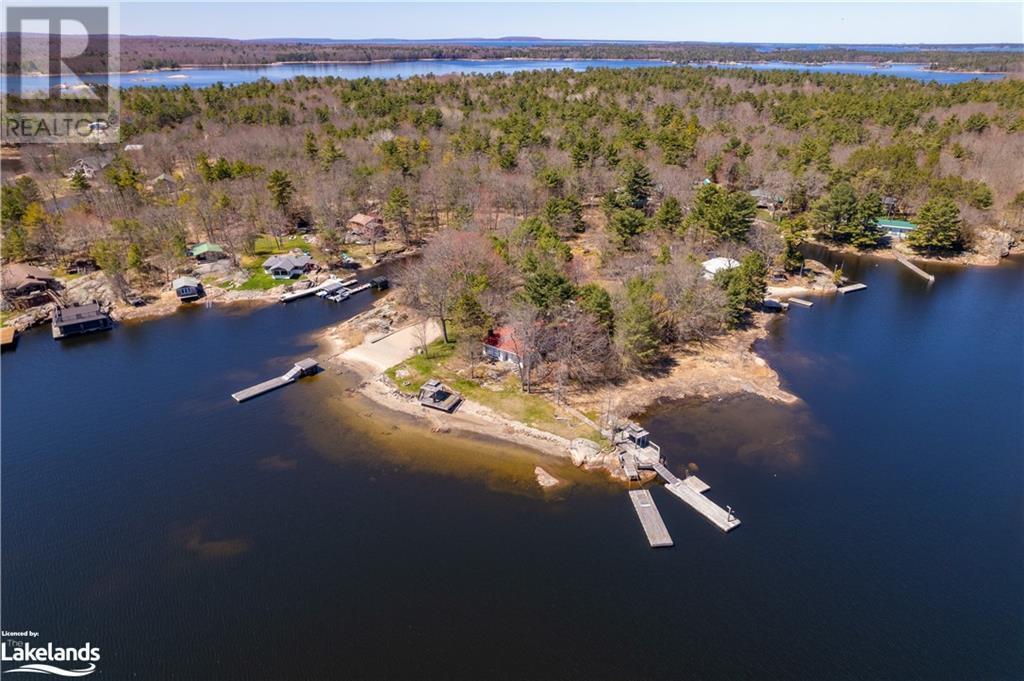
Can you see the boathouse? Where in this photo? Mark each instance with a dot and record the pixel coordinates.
(188, 289)
(896, 229)
(79, 319)
(501, 345)
(287, 266)
(379, 283)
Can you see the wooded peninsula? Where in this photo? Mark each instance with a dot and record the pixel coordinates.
(603, 220)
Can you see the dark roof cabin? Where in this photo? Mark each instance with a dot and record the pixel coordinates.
(437, 395)
(188, 289)
(379, 283)
(79, 319)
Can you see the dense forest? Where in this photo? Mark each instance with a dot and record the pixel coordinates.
(590, 199)
(149, 52)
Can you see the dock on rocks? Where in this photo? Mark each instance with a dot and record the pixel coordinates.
(851, 288)
(637, 452)
(650, 518)
(306, 367)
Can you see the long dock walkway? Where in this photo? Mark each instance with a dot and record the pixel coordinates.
(723, 519)
(331, 284)
(915, 269)
(650, 518)
(303, 368)
(690, 490)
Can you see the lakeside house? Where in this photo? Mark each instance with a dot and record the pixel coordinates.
(500, 345)
(287, 266)
(766, 199)
(82, 264)
(90, 165)
(78, 319)
(716, 265)
(188, 289)
(363, 228)
(26, 285)
(207, 252)
(896, 229)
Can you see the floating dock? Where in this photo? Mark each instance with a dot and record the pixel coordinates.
(915, 269)
(691, 491)
(650, 518)
(723, 519)
(332, 284)
(801, 302)
(851, 288)
(306, 367)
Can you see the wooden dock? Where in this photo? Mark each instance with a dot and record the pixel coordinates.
(628, 462)
(691, 491)
(801, 302)
(331, 284)
(650, 518)
(851, 288)
(915, 269)
(721, 518)
(304, 368)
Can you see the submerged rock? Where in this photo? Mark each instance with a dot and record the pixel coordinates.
(545, 479)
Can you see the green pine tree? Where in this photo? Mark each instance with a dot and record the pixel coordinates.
(939, 226)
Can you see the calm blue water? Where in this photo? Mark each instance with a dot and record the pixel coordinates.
(913, 71)
(200, 77)
(308, 535)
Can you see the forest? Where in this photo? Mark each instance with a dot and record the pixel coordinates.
(574, 207)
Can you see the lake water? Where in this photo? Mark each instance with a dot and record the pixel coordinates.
(201, 77)
(306, 534)
(914, 71)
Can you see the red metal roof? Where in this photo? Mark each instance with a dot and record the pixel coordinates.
(502, 338)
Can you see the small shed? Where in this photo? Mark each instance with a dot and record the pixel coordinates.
(437, 395)
(379, 283)
(207, 252)
(188, 289)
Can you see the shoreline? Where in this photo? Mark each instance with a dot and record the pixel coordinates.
(892, 251)
(727, 366)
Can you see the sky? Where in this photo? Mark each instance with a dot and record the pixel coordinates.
(818, 22)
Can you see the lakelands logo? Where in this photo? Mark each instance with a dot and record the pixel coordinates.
(39, 659)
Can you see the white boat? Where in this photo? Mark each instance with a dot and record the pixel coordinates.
(321, 294)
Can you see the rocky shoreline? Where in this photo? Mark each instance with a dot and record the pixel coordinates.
(725, 367)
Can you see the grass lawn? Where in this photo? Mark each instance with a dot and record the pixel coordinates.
(261, 281)
(509, 400)
(267, 245)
